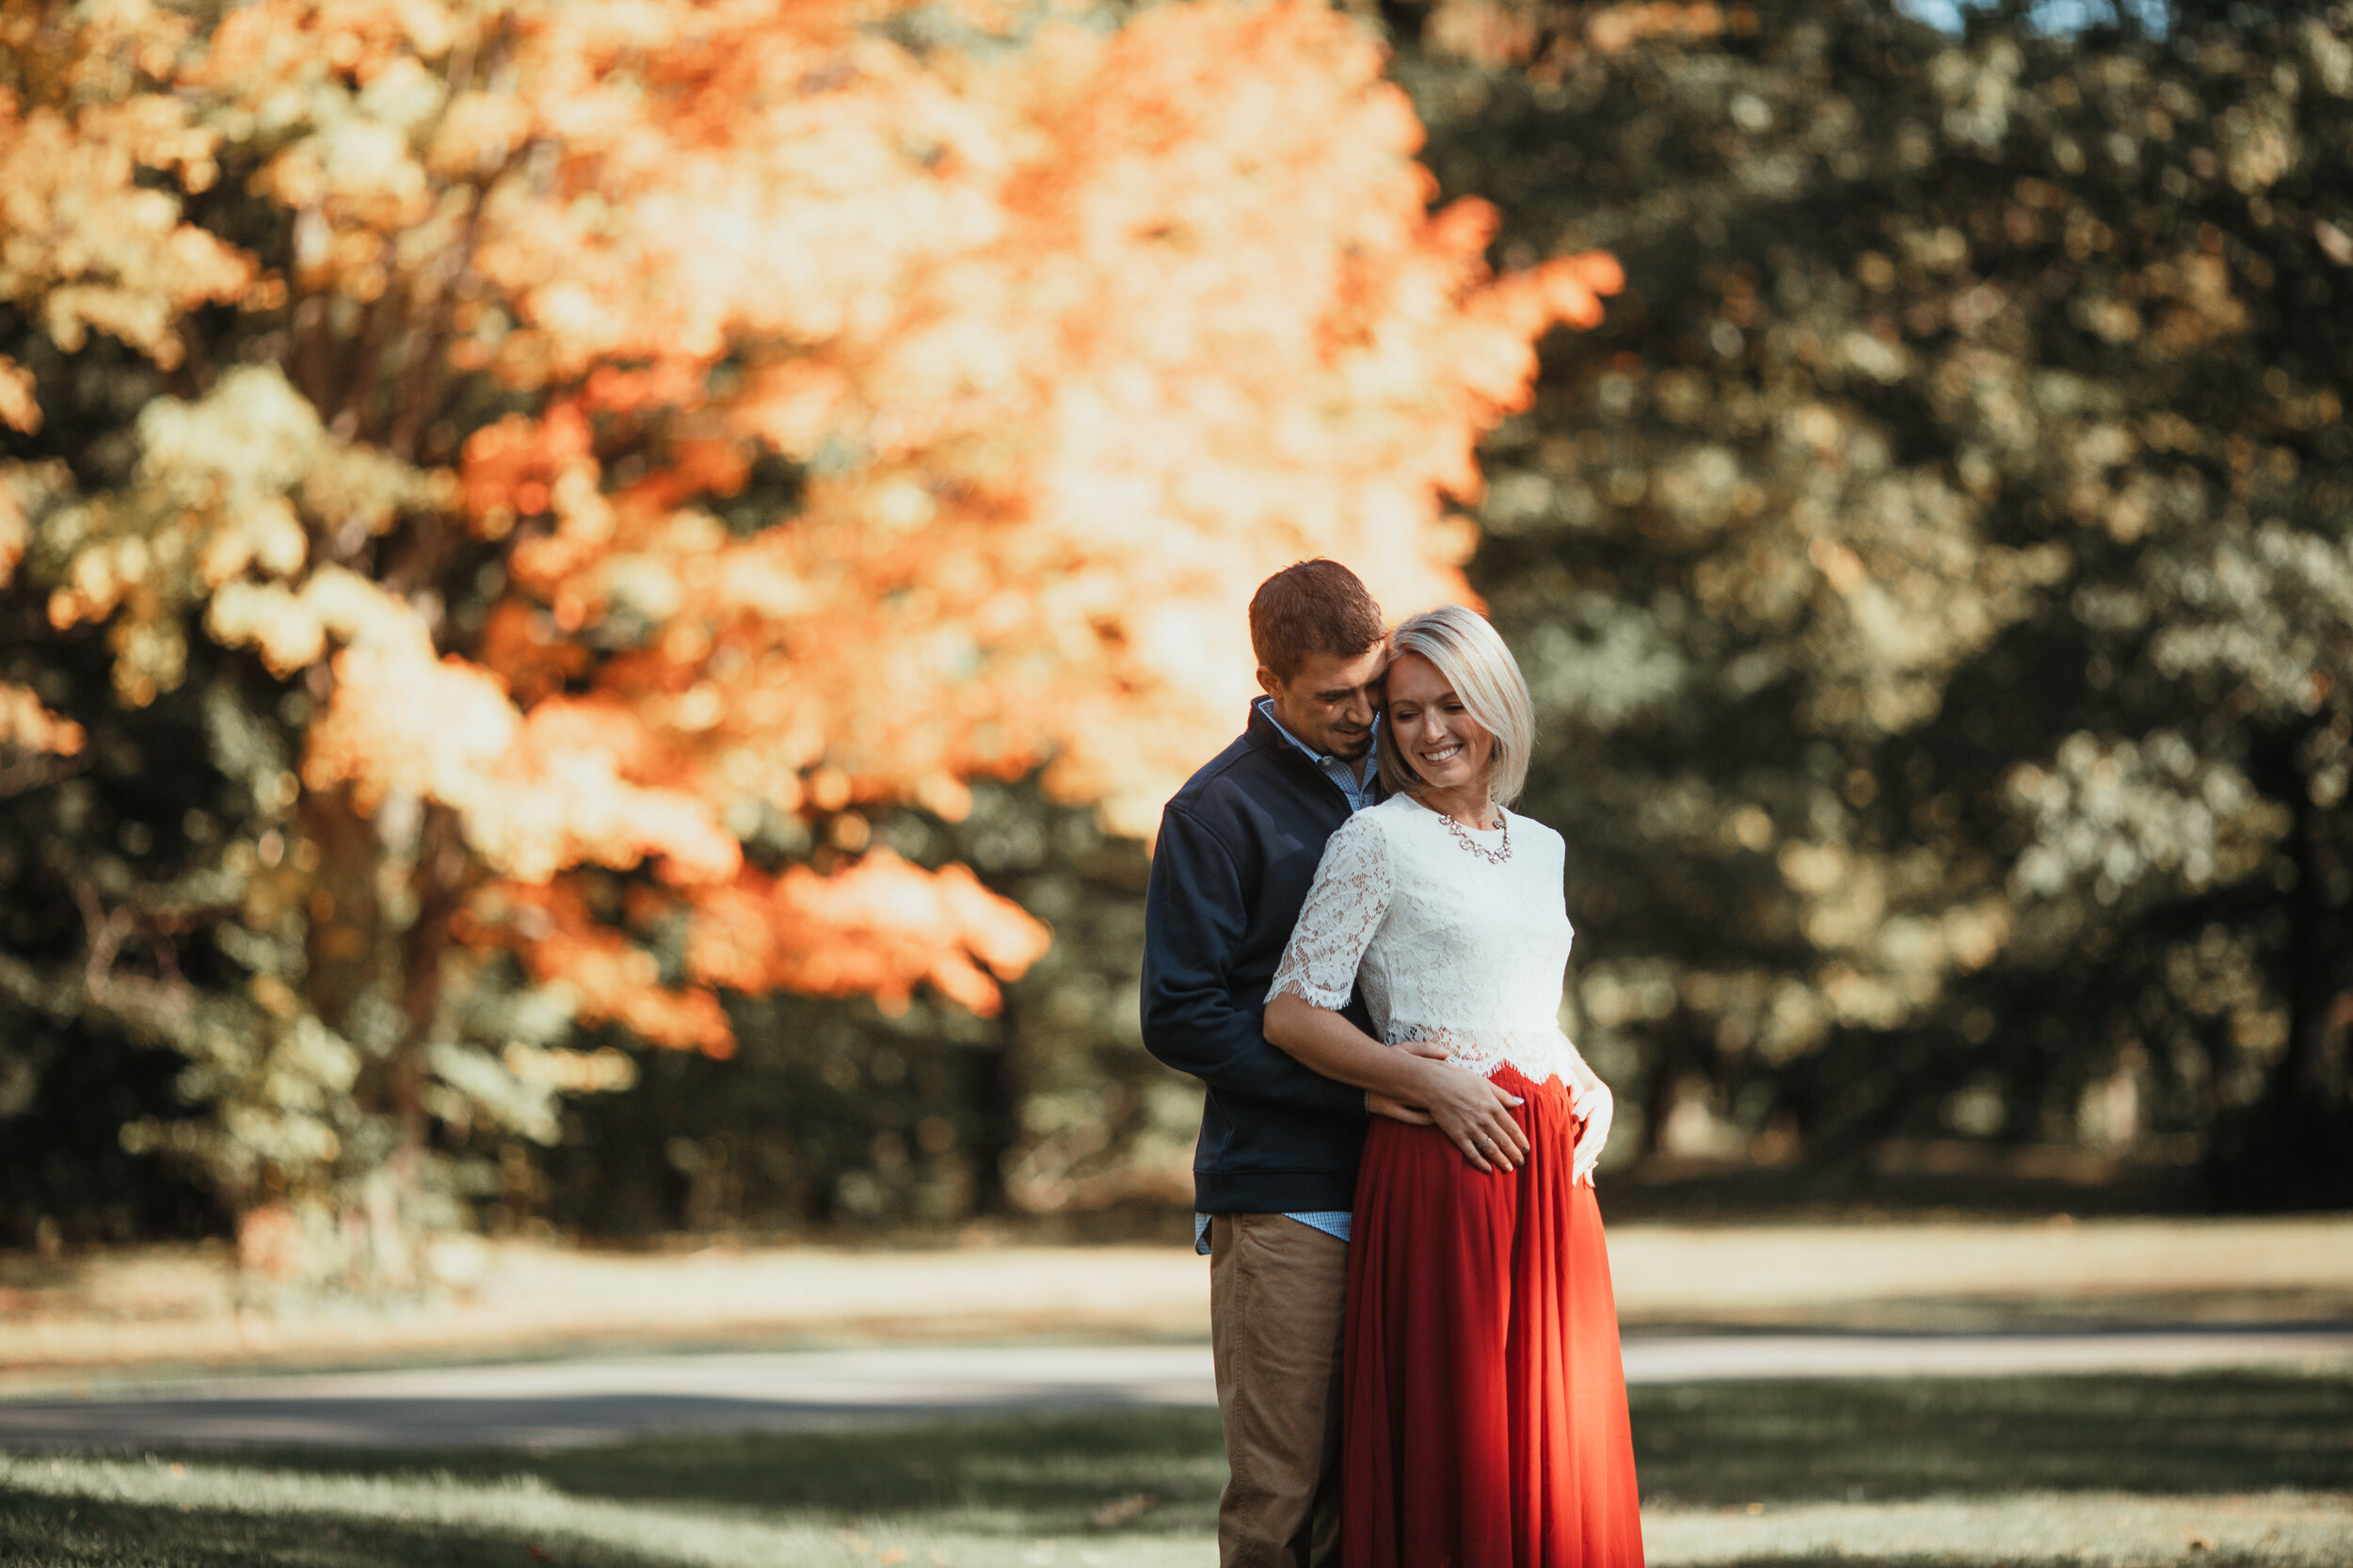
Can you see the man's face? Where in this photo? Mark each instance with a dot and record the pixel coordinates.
(1330, 701)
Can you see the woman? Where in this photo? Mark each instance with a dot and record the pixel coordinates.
(1485, 1417)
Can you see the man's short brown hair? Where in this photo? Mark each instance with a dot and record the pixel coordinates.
(1315, 606)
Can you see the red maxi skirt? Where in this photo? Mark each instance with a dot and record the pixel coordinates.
(1486, 1421)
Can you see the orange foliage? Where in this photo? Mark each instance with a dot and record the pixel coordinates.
(16, 528)
(1073, 340)
(611, 977)
(1546, 40)
(19, 409)
(572, 782)
(25, 724)
(1615, 28)
(86, 247)
(1138, 328)
(877, 929)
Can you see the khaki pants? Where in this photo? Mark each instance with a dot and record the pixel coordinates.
(1278, 1295)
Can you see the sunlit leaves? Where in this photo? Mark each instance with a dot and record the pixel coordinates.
(28, 725)
(594, 456)
(84, 246)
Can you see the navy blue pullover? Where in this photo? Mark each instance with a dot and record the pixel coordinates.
(1239, 845)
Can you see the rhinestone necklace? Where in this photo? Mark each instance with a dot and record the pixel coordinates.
(1495, 856)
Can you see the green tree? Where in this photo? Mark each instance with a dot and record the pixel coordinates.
(1936, 577)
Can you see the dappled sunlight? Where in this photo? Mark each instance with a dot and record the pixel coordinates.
(2028, 1471)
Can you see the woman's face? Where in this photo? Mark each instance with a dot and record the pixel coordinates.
(1435, 733)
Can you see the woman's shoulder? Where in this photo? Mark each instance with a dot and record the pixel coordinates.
(1374, 825)
(1529, 830)
(1396, 819)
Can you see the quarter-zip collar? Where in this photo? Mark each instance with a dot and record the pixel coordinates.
(1267, 731)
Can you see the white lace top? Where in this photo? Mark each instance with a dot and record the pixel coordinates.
(1447, 945)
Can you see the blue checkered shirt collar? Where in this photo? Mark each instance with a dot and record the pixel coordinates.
(1359, 791)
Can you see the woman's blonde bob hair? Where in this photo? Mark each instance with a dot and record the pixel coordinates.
(1470, 655)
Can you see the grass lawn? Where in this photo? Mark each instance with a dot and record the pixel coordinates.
(2241, 1468)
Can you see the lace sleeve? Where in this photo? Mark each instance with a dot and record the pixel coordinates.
(1344, 907)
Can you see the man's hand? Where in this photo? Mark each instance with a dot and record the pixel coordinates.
(1592, 1105)
(1397, 1110)
(1476, 1114)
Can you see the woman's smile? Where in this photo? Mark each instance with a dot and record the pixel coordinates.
(1439, 739)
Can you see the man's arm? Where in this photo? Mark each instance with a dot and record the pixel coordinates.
(1194, 920)
(1473, 1111)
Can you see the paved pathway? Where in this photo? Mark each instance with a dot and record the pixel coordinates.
(576, 1401)
(161, 1307)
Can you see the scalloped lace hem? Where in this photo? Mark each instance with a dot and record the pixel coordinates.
(1307, 991)
(1536, 1055)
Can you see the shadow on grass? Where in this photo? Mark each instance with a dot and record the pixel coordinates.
(1046, 1474)
(2235, 1431)
(1037, 1474)
(990, 1489)
(1713, 1444)
(37, 1531)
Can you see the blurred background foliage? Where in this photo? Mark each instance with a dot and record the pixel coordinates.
(1936, 576)
(527, 529)
(1934, 573)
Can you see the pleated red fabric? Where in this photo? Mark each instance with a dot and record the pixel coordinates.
(1485, 1418)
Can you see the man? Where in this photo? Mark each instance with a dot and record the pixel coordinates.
(1276, 1169)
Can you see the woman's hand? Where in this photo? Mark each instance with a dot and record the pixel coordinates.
(1474, 1112)
(1591, 1106)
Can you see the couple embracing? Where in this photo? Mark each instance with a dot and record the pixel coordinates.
(1359, 950)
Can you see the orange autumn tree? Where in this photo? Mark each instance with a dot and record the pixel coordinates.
(572, 463)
